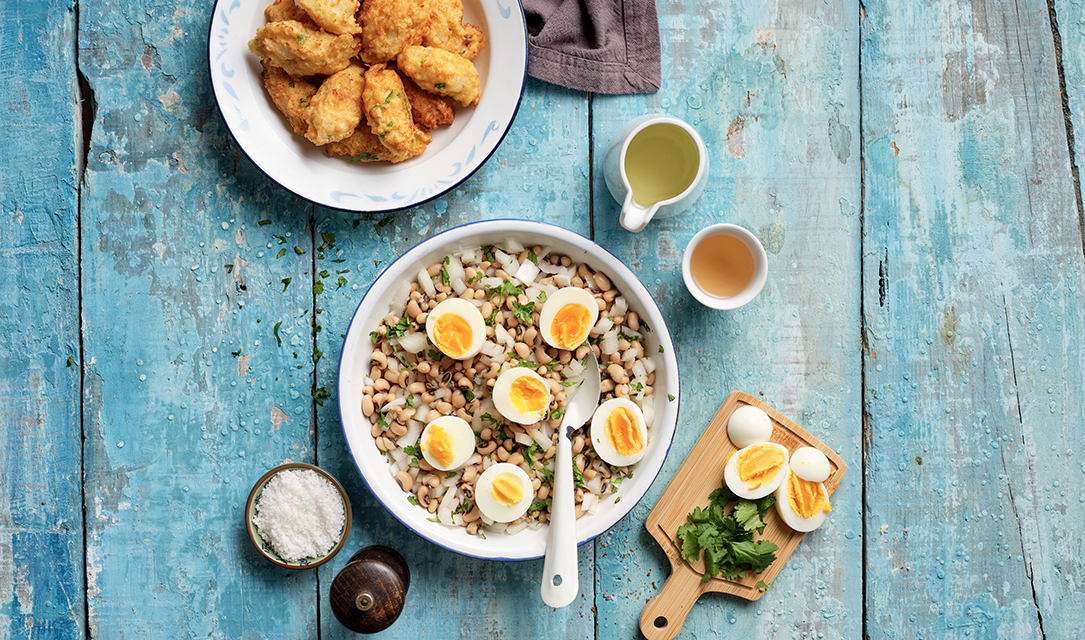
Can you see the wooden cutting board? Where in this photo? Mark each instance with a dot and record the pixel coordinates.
(700, 474)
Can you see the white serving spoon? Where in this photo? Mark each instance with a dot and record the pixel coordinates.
(560, 582)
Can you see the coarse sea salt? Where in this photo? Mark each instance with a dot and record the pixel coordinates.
(300, 514)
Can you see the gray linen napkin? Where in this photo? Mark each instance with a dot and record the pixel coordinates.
(604, 46)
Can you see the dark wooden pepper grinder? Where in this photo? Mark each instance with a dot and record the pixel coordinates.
(367, 594)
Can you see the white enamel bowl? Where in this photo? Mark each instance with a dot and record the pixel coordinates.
(456, 152)
(354, 366)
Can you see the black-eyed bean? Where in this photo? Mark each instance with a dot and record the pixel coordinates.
(405, 480)
(428, 398)
(582, 351)
(463, 415)
(379, 357)
(424, 367)
(502, 454)
(417, 387)
(543, 356)
(399, 429)
(472, 516)
(508, 444)
(472, 528)
(602, 304)
(378, 398)
(441, 297)
(615, 357)
(583, 271)
(522, 350)
(536, 484)
(578, 446)
(413, 309)
(633, 320)
(487, 310)
(602, 281)
(368, 390)
(531, 336)
(376, 431)
(469, 474)
(622, 391)
(577, 281)
(432, 480)
(610, 295)
(433, 415)
(458, 401)
(444, 408)
(367, 405)
(515, 458)
(434, 269)
(550, 452)
(543, 492)
(487, 434)
(619, 321)
(501, 273)
(623, 344)
(423, 495)
(488, 449)
(589, 473)
(382, 385)
(616, 372)
(649, 390)
(406, 415)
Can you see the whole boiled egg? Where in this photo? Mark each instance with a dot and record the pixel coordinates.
(749, 425)
(810, 464)
(447, 442)
(503, 492)
(567, 317)
(455, 326)
(755, 471)
(618, 432)
(521, 395)
(802, 504)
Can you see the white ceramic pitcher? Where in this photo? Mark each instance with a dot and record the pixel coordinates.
(635, 214)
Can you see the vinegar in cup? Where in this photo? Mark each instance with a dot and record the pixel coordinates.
(722, 265)
(661, 162)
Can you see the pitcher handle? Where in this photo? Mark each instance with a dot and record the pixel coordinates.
(634, 216)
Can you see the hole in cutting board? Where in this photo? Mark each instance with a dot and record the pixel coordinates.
(660, 622)
(557, 581)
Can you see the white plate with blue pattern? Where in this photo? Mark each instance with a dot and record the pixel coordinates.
(301, 167)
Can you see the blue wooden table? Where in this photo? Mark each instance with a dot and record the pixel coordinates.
(912, 168)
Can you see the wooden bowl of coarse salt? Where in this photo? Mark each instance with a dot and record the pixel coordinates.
(298, 516)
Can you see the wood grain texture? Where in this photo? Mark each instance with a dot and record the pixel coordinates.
(773, 90)
(539, 172)
(189, 397)
(41, 517)
(973, 313)
(1069, 18)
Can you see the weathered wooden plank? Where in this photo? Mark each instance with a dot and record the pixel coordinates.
(189, 394)
(41, 518)
(973, 314)
(539, 172)
(773, 90)
(1069, 19)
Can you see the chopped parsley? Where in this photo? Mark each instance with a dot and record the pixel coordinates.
(439, 85)
(413, 500)
(286, 282)
(523, 311)
(506, 289)
(399, 328)
(364, 156)
(670, 397)
(488, 253)
(726, 539)
(263, 222)
(533, 258)
(276, 332)
(415, 452)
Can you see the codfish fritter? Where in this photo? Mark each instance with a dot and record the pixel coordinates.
(389, 113)
(446, 30)
(334, 16)
(441, 72)
(302, 51)
(336, 108)
(427, 110)
(286, 10)
(390, 25)
(291, 95)
(362, 146)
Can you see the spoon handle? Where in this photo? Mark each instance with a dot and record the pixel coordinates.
(561, 556)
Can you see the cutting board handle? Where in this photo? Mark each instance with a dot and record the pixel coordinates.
(665, 614)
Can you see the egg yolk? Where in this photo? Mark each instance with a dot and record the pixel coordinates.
(452, 334)
(529, 395)
(623, 433)
(758, 465)
(439, 444)
(570, 325)
(507, 489)
(805, 497)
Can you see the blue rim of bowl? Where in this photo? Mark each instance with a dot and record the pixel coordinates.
(544, 226)
(250, 509)
(437, 194)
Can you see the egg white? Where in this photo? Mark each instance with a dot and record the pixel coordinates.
(740, 488)
(556, 302)
(489, 506)
(810, 464)
(503, 401)
(459, 432)
(749, 425)
(601, 442)
(468, 312)
(793, 519)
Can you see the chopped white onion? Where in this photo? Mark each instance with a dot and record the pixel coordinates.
(491, 349)
(650, 364)
(414, 429)
(648, 408)
(631, 335)
(412, 342)
(563, 279)
(471, 256)
(620, 306)
(527, 272)
(639, 370)
(455, 269)
(549, 269)
(515, 528)
(426, 283)
(595, 485)
(441, 392)
(399, 300)
(513, 245)
(609, 343)
(458, 286)
(492, 283)
(575, 368)
(507, 262)
(629, 355)
(540, 439)
(503, 336)
(523, 438)
(605, 324)
(589, 503)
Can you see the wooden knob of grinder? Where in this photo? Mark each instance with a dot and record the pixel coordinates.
(367, 594)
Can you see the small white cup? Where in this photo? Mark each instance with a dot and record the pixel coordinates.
(757, 282)
(636, 215)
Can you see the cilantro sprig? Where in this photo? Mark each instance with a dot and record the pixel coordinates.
(726, 539)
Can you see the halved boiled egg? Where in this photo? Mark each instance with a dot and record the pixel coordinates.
(567, 317)
(755, 471)
(447, 442)
(749, 425)
(521, 395)
(455, 326)
(618, 432)
(810, 464)
(503, 492)
(802, 504)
